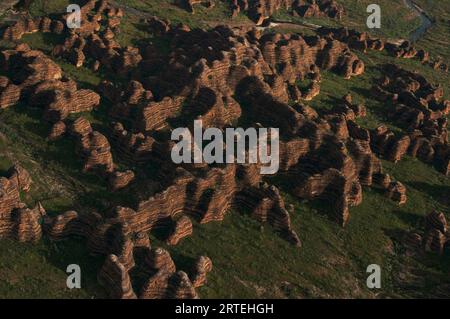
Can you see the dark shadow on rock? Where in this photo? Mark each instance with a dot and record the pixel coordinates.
(183, 262)
(164, 228)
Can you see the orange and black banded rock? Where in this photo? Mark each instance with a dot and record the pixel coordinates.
(142, 241)
(387, 144)
(313, 8)
(9, 93)
(202, 267)
(20, 176)
(180, 287)
(114, 277)
(206, 75)
(436, 234)
(419, 108)
(122, 244)
(26, 25)
(118, 180)
(189, 5)
(160, 260)
(10, 187)
(66, 102)
(260, 10)
(58, 130)
(44, 92)
(81, 127)
(97, 152)
(349, 109)
(28, 223)
(17, 221)
(94, 147)
(182, 228)
(397, 192)
(63, 226)
(30, 68)
(156, 286)
(363, 41)
(155, 114)
(311, 91)
(267, 205)
(164, 285)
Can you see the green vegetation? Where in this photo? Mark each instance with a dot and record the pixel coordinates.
(437, 40)
(397, 21)
(39, 271)
(165, 9)
(40, 8)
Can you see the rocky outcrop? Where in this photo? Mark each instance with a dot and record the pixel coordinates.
(27, 223)
(119, 180)
(58, 129)
(190, 5)
(40, 81)
(166, 283)
(114, 277)
(418, 107)
(155, 115)
(267, 205)
(182, 228)
(260, 10)
(29, 67)
(168, 286)
(202, 267)
(436, 235)
(17, 221)
(363, 41)
(94, 147)
(223, 76)
(9, 93)
(318, 8)
(67, 102)
(397, 192)
(159, 259)
(64, 225)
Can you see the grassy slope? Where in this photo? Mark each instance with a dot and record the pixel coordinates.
(249, 260)
(396, 20)
(437, 40)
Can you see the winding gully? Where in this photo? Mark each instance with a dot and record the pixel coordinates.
(426, 21)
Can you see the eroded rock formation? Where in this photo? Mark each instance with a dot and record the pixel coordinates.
(419, 108)
(224, 77)
(435, 237)
(17, 221)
